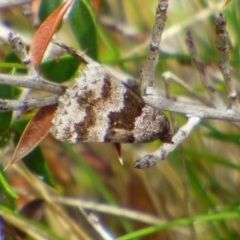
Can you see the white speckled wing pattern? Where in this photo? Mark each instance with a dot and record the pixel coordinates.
(99, 108)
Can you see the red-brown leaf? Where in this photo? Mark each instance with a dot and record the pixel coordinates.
(45, 32)
(37, 128)
(96, 5)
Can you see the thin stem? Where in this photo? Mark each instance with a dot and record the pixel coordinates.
(148, 71)
(179, 81)
(224, 66)
(192, 109)
(96, 224)
(161, 153)
(20, 50)
(108, 209)
(211, 90)
(34, 82)
(24, 105)
(7, 3)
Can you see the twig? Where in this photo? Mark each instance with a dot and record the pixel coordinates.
(21, 52)
(226, 70)
(160, 154)
(211, 90)
(95, 223)
(22, 98)
(148, 71)
(156, 101)
(7, 3)
(171, 114)
(104, 208)
(24, 105)
(178, 27)
(33, 82)
(179, 81)
(191, 109)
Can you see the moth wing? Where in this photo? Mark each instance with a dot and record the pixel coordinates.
(97, 108)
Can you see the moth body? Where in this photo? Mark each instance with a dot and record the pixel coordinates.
(99, 108)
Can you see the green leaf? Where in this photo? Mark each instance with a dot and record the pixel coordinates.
(227, 137)
(212, 158)
(6, 92)
(5, 187)
(46, 8)
(61, 70)
(16, 63)
(84, 27)
(5, 139)
(216, 134)
(19, 125)
(181, 222)
(36, 163)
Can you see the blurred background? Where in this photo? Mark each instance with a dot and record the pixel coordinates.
(192, 194)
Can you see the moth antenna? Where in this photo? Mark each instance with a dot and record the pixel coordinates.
(80, 55)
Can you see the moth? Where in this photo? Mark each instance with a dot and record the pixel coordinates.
(100, 108)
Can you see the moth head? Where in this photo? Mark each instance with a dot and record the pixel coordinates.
(152, 124)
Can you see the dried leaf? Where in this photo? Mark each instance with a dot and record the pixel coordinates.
(37, 128)
(45, 32)
(33, 209)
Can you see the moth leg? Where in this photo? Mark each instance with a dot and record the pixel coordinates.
(10, 105)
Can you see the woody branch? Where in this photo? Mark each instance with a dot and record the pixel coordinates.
(156, 101)
(7, 3)
(21, 52)
(224, 66)
(215, 99)
(148, 71)
(196, 113)
(161, 153)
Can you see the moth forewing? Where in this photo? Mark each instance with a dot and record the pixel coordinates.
(99, 108)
